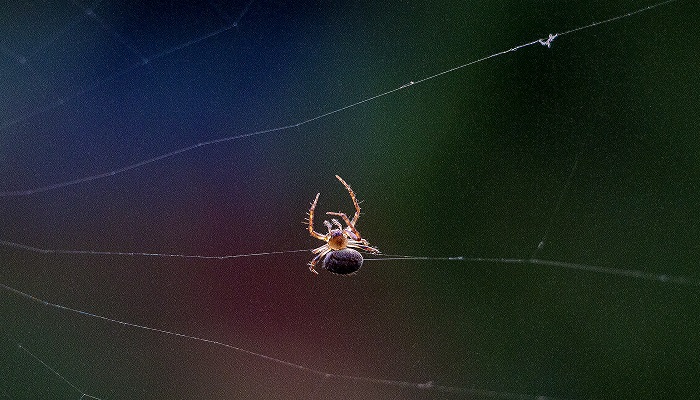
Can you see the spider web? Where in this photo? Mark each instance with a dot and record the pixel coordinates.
(533, 187)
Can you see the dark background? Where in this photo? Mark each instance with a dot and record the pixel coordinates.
(472, 163)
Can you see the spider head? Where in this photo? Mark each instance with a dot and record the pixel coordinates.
(337, 239)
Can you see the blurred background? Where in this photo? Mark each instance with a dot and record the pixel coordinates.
(476, 163)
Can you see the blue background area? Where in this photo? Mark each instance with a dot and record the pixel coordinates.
(475, 163)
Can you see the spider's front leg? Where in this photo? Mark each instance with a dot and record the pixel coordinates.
(312, 232)
(354, 200)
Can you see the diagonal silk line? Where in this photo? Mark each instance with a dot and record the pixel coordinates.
(89, 178)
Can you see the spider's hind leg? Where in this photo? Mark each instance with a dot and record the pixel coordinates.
(322, 251)
(363, 245)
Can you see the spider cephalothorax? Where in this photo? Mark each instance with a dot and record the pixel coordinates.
(338, 253)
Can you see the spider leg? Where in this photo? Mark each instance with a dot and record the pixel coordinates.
(328, 225)
(322, 253)
(363, 245)
(312, 232)
(320, 249)
(351, 225)
(354, 200)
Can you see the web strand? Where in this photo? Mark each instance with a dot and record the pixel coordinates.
(629, 14)
(562, 195)
(40, 189)
(57, 34)
(143, 61)
(63, 378)
(141, 254)
(326, 375)
(243, 12)
(629, 273)
(90, 12)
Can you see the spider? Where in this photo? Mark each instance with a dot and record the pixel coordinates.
(338, 253)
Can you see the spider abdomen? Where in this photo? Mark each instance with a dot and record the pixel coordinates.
(344, 262)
